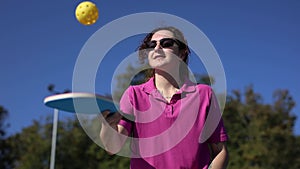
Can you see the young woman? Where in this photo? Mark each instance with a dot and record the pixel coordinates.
(170, 112)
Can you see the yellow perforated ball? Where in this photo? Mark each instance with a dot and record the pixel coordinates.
(87, 13)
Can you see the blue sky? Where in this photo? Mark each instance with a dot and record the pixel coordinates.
(257, 41)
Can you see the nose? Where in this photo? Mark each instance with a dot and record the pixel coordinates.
(157, 47)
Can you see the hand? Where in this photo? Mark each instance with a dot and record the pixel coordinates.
(112, 119)
(109, 123)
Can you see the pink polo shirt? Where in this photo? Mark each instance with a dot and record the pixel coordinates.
(175, 134)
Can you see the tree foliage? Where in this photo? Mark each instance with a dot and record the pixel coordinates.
(4, 149)
(261, 135)
(74, 149)
(3, 125)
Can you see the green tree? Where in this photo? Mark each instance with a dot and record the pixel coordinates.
(261, 135)
(31, 147)
(74, 150)
(3, 125)
(5, 161)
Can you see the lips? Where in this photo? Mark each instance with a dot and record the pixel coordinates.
(158, 56)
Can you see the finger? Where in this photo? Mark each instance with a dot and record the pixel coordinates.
(113, 118)
(105, 113)
(110, 114)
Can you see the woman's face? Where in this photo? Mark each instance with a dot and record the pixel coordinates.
(164, 54)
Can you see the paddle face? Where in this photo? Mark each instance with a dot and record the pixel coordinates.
(81, 103)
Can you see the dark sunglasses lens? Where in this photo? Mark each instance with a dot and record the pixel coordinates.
(166, 43)
(152, 44)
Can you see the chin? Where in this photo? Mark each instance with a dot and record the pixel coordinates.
(156, 64)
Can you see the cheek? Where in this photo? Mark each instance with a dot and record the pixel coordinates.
(174, 51)
(149, 60)
(149, 54)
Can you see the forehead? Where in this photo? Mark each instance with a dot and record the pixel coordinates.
(162, 34)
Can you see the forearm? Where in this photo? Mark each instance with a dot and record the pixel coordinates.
(220, 161)
(112, 139)
(221, 156)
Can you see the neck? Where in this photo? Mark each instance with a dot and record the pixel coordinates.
(167, 83)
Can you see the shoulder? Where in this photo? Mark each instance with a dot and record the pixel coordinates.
(136, 88)
(203, 86)
(139, 90)
(205, 89)
(146, 87)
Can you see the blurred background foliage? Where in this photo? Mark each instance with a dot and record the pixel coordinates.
(261, 135)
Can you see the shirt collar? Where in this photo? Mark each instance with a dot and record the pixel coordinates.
(149, 86)
(188, 86)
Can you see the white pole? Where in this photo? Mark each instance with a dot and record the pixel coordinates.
(54, 133)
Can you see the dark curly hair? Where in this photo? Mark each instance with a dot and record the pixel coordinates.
(183, 47)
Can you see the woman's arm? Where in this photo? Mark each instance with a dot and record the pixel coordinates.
(112, 135)
(220, 155)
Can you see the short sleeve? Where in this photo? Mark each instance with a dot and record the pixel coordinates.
(126, 109)
(214, 130)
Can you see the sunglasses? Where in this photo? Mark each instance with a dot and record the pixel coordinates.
(164, 43)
